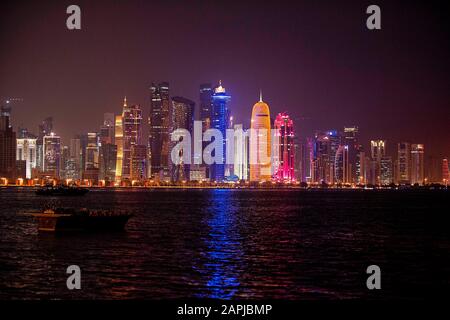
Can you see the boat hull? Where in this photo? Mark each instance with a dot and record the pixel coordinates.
(67, 223)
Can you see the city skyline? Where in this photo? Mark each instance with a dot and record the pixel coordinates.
(118, 152)
(224, 158)
(374, 80)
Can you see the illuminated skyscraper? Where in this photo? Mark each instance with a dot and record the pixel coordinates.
(205, 117)
(350, 138)
(107, 129)
(301, 159)
(119, 143)
(26, 150)
(159, 139)
(52, 155)
(205, 105)
(241, 152)
(335, 142)
(320, 162)
(73, 165)
(75, 152)
(445, 174)
(310, 154)
(403, 163)
(283, 147)
(132, 135)
(45, 128)
(92, 152)
(361, 168)
(65, 162)
(378, 151)
(108, 162)
(83, 139)
(386, 171)
(91, 161)
(219, 120)
(417, 163)
(107, 155)
(342, 165)
(138, 162)
(324, 149)
(7, 148)
(260, 143)
(182, 117)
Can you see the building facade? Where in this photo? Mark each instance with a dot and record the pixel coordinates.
(118, 137)
(132, 135)
(403, 163)
(260, 143)
(342, 165)
(182, 117)
(283, 148)
(138, 162)
(445, 171)
(159, 139)
(220, 115)
(241, 152)
(351, 139)
(7, 148)
(26, 150)
(52, 155)
(386, 171)
(108, 162)
(417, 164)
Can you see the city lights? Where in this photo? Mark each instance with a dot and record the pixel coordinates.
(212, 150)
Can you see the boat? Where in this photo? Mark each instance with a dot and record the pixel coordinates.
(61, 191)
(70, 219)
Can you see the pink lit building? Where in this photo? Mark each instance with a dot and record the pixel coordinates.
(283, 149)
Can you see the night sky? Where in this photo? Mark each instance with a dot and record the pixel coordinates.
(314, 59)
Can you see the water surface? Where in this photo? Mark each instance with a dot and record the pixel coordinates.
(233, 244)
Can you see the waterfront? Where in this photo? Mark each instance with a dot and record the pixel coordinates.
(240, 244)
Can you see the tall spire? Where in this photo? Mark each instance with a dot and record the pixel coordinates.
(125, 101)
(220, 89)
(260, 96)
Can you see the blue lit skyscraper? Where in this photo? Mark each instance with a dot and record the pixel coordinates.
(219, 120)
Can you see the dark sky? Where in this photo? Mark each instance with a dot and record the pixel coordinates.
(314, 59)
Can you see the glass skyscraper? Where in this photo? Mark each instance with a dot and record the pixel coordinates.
(417, 163)
(182, 118)
(159, 139)
(283, 148)
(132, 135)
(52, 155)
(403, 163)
(219, 120)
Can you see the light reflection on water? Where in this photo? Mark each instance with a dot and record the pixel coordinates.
(224, 249)
(230, 244)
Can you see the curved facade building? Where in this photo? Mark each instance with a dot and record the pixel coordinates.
(260, 143)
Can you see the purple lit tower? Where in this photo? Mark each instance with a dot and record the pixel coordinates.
(283, 149)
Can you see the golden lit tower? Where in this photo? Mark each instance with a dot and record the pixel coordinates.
(119, 142)
(260, 142)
